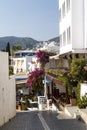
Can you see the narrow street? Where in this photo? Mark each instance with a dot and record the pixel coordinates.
(44, 120)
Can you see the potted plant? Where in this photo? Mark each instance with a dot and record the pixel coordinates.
(73, 98)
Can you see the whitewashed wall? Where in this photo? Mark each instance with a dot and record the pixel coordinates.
(85, 23)
(7, 91)
(77, 12)
(76, 18)
(83, 89)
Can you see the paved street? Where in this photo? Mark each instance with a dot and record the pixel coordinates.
(46, 120)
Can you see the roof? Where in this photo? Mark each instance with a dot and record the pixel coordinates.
(21, 78)
(54, 57)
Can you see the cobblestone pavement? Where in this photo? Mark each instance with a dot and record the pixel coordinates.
(45, 120)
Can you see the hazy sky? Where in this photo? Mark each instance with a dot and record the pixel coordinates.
(29, 18)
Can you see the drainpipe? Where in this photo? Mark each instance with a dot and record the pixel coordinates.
(84, 25)
(52, 90)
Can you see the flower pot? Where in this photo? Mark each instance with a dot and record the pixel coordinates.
(19, 107)
(73, 101)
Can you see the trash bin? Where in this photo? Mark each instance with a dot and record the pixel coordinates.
(42, 102)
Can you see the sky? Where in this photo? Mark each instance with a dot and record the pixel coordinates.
(37, 19)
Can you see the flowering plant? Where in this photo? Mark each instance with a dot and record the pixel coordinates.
(35, 79)
(43, 56)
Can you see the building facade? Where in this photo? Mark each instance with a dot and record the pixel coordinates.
(73, 26)
(21, 61)
(73, 44)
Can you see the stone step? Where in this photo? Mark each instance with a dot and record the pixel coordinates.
(77, 115)
(83, 114)
(63, 116)
(70, 110)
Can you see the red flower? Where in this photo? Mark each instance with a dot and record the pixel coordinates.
(35, 78)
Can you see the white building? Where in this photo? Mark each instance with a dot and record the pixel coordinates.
(21, 61)
(34, 64)
(51, 47)
(7, 91)
(73, 26)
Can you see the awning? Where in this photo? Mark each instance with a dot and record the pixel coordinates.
(48, 81)
(21, 80)
(18, 79)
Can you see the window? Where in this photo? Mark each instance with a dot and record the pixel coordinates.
(64, 38)
(13, 62)
(22, 62)
(68, 35)
(63, 9)
(68, 5)
(18, 62)
(60, 40)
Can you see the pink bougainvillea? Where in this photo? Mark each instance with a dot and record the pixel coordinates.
(35, 79)
(43, 57)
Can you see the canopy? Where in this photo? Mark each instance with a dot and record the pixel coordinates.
(48, 81)
(18, 79)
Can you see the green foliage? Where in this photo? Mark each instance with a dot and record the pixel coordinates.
(55, 72)
(26, 104)
(83, 102)
(77, 69)
(78, 92)
(78, 74)
(16, 48)
(63, 79)
(10, 71)
(72, 77)
(33, 97)
(8, 48)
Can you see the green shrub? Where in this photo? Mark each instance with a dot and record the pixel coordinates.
(26, 103)
(83, 102)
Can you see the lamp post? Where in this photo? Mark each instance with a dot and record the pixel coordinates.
(45, 87)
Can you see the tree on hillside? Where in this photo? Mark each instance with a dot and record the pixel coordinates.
(8, 48)
(16, 48)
